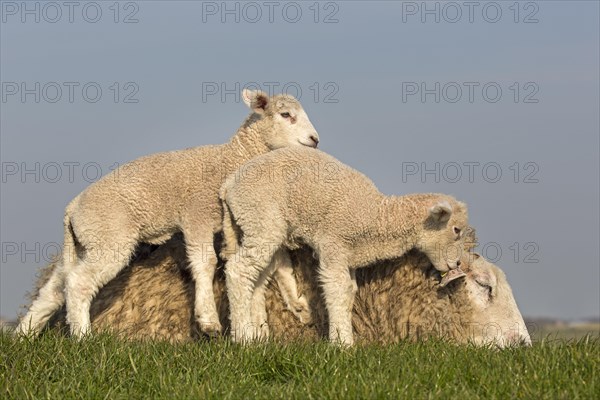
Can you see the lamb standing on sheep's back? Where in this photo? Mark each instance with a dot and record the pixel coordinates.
(150, 199)
(396, 300)
(310, 197)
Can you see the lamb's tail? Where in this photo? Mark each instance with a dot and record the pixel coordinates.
(231, 234)
(69, 255)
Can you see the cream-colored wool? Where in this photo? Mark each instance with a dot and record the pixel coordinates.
(397, 299)
(150, 199)
(299, 196)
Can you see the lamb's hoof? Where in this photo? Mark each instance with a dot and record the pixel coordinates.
(263, 332)
(343, 343)
(451, 275)
(22, 333)
(301, 310)
(81, 334)
(212, 329)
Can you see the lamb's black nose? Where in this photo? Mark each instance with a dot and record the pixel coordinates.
(314, 139)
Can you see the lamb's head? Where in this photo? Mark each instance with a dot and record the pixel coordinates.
(442, 234)
(496, 317)
(280, 119)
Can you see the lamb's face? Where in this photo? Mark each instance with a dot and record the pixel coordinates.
(283, 120)
(442, 238)
(496, 317)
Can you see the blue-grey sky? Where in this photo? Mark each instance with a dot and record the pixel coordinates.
(494, 103)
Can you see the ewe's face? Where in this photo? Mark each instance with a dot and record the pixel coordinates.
(287, 123)
(444, 233)
(497, 319)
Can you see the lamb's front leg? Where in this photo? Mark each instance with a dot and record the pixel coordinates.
(339, 291)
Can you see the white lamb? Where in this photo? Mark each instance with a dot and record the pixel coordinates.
(309, 197)
(151, 198)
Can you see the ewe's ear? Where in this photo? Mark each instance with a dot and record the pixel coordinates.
(257, 100)
(441, 212)
(451, 275)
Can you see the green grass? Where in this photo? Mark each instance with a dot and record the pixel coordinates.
(565, 331)
(56, 367)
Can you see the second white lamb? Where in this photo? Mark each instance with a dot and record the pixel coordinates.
(304, 196)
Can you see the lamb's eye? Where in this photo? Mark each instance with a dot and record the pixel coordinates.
(285, 115)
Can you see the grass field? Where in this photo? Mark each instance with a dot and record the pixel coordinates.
(56, 367)
(563, 331)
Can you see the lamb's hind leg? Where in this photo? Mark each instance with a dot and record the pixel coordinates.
(339, 290)
(281, 267)
(243, 273)
(284, 276)
(259, 305)
(50, 299)
(85, 278)
(203, 263)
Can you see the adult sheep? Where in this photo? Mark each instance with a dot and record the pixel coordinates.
(150, 199)
(341, 215)
(397, 299)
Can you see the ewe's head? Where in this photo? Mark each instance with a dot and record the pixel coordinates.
(281, 119)
(444, 230)
(496, 317)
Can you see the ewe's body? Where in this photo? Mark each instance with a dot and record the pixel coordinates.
(151, 198)
(297, 196)
(396, 299)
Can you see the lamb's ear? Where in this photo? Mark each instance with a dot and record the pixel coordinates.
(470, 238)
(441, 212)
(257, 100)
